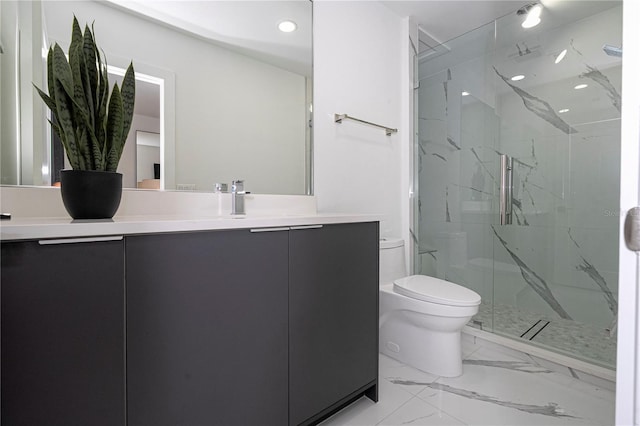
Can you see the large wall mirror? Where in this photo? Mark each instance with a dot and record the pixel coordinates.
(227, 94)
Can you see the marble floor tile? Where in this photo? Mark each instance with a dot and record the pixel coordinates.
(498, 389)
(365, 412)
(419, 413)
(407, 378)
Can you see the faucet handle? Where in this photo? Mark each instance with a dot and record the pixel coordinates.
(237, 186)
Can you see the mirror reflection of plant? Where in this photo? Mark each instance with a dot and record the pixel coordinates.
(92, 125)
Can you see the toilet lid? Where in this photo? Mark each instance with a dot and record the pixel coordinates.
(435, 290)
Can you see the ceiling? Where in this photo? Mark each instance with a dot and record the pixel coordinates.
(446, 19)
(247, 26)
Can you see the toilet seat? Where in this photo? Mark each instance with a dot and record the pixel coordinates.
(434, 290)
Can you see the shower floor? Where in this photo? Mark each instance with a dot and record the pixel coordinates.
(578, 340)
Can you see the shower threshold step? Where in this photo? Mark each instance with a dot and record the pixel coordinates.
(588, 342)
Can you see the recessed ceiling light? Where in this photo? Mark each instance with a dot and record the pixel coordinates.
(517, 77)
(465, 93)
(533, 16)
(287, 26)
(581, 86)
(530, 23)
(562, 111)
(561, 56)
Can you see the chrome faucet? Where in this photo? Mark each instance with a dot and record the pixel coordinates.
(237, 197)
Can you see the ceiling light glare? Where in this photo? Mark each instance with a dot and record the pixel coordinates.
(581, 86)
(517, 77)
(533, 17)
(561, 56)
(530, 23)
(562, 111)
(287, 26)
(465, 93)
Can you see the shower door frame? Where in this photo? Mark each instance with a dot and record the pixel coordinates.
(628, 355)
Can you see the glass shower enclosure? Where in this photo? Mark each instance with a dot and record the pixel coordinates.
(517, 174)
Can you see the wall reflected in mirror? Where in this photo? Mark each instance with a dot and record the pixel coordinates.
(147, 160)
(235, 92)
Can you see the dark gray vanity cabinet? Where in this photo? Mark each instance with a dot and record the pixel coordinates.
(333, 318)
(62, 333)
(229, 327)
(207, 328)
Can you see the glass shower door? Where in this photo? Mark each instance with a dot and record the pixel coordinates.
(456, 177)
(555, 265)
(549, 277)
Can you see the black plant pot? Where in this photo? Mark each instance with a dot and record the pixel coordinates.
(90, 194)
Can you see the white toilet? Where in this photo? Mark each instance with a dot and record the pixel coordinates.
(421, 317)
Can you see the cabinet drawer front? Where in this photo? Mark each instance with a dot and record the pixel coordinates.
(333, 315)
(63, 334)
(207, 328)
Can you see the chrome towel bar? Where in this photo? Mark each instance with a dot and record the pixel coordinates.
(339, 117)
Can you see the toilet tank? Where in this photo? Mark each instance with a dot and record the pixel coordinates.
(392, 262)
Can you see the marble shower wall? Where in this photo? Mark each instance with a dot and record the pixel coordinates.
(559, 257)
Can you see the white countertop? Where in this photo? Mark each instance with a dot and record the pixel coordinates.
(43, 228)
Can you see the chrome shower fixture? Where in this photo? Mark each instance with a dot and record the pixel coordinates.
(525, 9)
(612, 50)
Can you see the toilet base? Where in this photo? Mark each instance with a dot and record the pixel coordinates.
(438, 353)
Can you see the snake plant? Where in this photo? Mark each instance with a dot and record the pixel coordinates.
(92, 125)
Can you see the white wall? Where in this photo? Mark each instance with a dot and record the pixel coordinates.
(358, 70)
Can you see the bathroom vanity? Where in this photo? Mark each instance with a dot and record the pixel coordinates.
(256, 321)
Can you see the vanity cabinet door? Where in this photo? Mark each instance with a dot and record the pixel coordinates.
(207, 328)
(62, 327)
(333, 317)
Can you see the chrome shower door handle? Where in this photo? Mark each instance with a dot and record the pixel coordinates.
(506, 189)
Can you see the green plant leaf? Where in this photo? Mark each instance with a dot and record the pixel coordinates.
(76, 35)
(63, 114)
(75, 62)
(114, 129)
(101, 113)
(50, 73)
(57, 131)
(89, 50)
(82, 139)
(128, 103)
(62, 71)
(51, 104)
